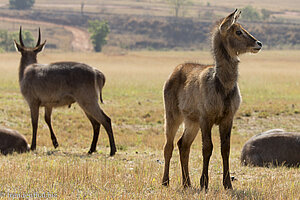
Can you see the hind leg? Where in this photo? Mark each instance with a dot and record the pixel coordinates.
(34, 111)
(96, 128)
(96, 113)
(184, 144)
(172, 123)
(48, 111)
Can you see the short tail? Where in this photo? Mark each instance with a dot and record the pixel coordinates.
(101, 83)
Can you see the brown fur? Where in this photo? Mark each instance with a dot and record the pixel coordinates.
(59, 84)
(204, 95)
(275, 147)
(12, 141)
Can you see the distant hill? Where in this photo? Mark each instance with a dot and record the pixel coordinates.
(145, 32)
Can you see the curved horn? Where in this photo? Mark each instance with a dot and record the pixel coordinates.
(20, 37)
(39, 39)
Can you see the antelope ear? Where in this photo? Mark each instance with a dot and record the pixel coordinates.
(40, 47)
(18, 47)
(237, 15)
(229, 20)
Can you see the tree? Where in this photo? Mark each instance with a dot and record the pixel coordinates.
(250, 14)
(178, 5)
(82, 7)
(21, 4)
(265, 14)
(6, 39)
(99, 31)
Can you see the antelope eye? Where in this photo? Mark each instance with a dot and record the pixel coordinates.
(238, 32)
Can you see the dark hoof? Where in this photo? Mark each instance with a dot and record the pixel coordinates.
(203, 183)
(165, 183)
(228, 187)
(90, 152)
(33, 148)
(55, 144)
(185, 186)
(112, 153)
(204, 188)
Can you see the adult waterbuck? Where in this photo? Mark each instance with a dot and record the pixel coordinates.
(12, 141)
(59, 84)
(204, 95)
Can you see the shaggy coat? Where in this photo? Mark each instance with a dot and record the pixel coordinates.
(59, 84)
(204, 95)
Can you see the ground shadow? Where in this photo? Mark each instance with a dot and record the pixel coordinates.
(245, 194)
(64, 153)
(232, 194)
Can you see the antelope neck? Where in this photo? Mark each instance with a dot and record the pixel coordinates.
(226, 66)
(23, 64)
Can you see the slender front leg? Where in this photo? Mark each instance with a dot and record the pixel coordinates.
(207, 148)
(34, 110)
(225, 132)
(48, 111)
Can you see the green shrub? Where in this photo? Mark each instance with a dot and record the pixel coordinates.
(99, 31)
(7, 39)
(250, 14)
(21, 4)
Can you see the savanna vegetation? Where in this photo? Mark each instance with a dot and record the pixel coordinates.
(21, 4)
(6, 37)
(269, 83)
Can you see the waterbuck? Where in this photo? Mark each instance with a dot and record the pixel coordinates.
(204, 95)
(59, 84)
(12, 141)
(276, 147)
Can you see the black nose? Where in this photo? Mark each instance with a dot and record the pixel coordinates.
(259, 43)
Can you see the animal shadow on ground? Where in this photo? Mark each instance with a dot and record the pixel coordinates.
(233, 194)
(244, 194)
(60, 153)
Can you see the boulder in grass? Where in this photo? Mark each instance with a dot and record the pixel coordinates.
(12, 141)
(276, 147)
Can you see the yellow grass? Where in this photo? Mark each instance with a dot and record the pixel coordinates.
(269, 83)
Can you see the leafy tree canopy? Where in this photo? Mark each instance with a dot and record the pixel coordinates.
(7, 38)
(250, 14)
(21, 4)
(99, 31)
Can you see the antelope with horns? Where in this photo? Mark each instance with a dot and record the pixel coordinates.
(204, 95)
(59, 84)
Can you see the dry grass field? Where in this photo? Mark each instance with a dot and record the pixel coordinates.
(269, 83)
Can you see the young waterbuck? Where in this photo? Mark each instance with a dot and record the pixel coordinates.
(59, 84)
(204, 95)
